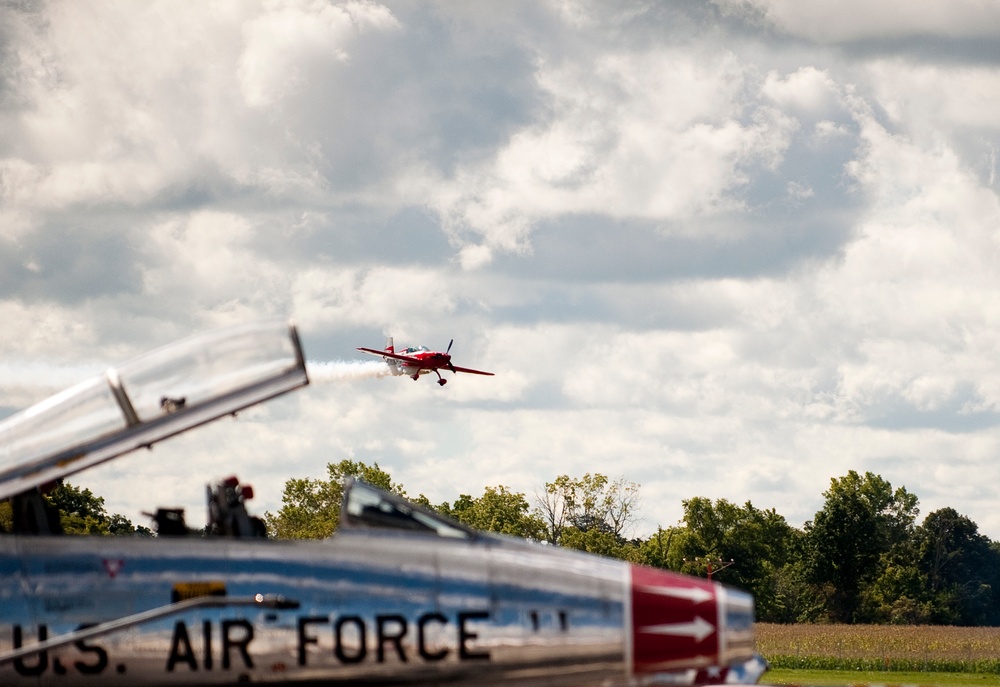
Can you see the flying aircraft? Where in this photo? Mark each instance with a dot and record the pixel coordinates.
(420, 360)
(398, 596)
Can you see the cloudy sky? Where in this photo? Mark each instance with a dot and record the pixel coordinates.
(730, 249)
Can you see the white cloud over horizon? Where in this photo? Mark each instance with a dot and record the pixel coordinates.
(730, 250)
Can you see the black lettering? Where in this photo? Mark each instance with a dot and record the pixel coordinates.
(465, 635)
(308, 639)
(240, 644)
(57, 667)
(41, 664)
(101, 655)
(563, 621)
(180, 648)
(338, 639)
(422, 641)
(383, 636)
(206, 640)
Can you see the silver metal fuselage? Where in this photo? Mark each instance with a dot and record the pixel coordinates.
(400, 595)
(377, 606)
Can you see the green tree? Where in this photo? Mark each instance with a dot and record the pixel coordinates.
(862, 521)
(797, 600)
(587, 503)
(498, 510)
(80, 511)
(311, 507)
(602, 543)
(119, 525)
(6, 517)
(898, 596)
(961, 568)
(656, 550)
(758, 543)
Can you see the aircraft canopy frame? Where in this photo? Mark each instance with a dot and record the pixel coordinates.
(147, 399)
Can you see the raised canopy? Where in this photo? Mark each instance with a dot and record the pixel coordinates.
(149, 398)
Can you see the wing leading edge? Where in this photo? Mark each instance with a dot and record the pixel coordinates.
(456, 368)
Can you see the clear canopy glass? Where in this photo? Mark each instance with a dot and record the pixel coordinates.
(149, 398)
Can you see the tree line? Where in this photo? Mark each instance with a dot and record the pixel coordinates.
(863, 558)
(79, 511)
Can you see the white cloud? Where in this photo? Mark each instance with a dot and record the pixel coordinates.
(104, 117)
(207, 261)
(849, 20)
(43, 330)
(395, 300)
(658, 135)
(933, 100)
(809, 285)
(808, 90)
(287, 41)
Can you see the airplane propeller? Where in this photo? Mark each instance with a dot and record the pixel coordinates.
(447, 351)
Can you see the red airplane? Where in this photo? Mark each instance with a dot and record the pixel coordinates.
(419, 360)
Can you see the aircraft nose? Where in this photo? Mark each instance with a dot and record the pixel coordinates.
(681, 622)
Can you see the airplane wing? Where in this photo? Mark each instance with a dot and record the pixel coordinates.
(152, 397)
(387, 354)
(456, 368)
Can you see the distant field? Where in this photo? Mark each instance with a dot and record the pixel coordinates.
(920, 648)
(839, 678)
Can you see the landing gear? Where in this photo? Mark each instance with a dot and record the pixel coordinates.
(442, 381)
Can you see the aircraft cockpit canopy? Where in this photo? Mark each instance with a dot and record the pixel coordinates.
(364, 506)
(149, 398)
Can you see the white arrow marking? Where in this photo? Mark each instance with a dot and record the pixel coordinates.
(694, 594)
(699, 628)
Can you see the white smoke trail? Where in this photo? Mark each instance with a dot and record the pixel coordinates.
(346, 370)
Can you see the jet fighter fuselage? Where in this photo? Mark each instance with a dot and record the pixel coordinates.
(396, 596)
(399, 595)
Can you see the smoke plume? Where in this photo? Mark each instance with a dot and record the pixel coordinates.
(346, 370)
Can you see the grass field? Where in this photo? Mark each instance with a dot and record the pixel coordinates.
(883, 651)
(839, 678)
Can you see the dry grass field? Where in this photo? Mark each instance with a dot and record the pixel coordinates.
(881, 647)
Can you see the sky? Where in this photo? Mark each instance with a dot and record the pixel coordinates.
(730, 249)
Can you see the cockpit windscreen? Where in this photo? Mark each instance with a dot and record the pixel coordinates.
(365, 506)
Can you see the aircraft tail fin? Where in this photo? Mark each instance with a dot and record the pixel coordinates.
(389, 348)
